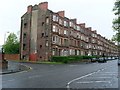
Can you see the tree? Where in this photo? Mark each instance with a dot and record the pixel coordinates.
(116, 21)
(116, 24)
(11, 46)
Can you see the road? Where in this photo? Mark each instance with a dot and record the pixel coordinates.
(79, 75)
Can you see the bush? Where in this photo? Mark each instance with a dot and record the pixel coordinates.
(59, 58)
(67, 59)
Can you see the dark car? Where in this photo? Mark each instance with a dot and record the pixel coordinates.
(102, 60)
(119, 62)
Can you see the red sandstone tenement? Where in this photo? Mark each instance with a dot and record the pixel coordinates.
(45, 33)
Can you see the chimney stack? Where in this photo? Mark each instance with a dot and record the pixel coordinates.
(74, 20)
(61, 13)
(94, 31)
(89, 28)
(82, 25)
(29, 9)
(43, 5)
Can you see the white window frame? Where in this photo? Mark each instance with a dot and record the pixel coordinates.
(54, 28)
(54, 17)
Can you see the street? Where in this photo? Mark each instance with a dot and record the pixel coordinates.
(77, 75)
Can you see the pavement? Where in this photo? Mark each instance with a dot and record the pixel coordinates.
(119, 76)
(14, 67)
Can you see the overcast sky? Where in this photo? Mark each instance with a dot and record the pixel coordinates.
(95, 13)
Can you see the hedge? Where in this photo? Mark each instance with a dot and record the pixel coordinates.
(66, 59)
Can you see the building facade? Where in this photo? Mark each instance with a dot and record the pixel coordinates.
(45, 33)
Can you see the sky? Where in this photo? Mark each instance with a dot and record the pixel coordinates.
(95, 13)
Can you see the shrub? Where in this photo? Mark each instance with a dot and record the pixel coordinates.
(59, 58)
(67, 59)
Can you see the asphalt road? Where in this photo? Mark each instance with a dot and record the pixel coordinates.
(80, 75)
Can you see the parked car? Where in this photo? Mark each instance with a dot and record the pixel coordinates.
(102, 60)
(93, 60)
(118, 61)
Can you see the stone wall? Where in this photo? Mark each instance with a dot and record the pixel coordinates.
(12, 56)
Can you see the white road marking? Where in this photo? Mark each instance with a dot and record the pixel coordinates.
(72, 65)
(102, 77)
(94, 82)
(104, 74)
(111, 72)
(68, 84)
(35, 76)
(10, 80)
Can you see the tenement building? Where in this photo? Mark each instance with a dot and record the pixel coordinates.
(45, 33)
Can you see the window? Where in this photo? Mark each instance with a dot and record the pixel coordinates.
(65, 32)
(78, 52)
(40, 46)
(65, 52)
(53, 51)
(24, 35)
(54, 17)
(54, 28)
(70, 51)
(90, 46)
(73, 52)
(60, 41)
(42, 34)
(24, 57)
(40, 56)
(25, 25)
(78, 28)
(24, 46)
(42, 23)
(65, 23)
(46, 33)
(47, 20)
(71, 24)
(87, 46)
(60, 21)
(71, 33)
(46, 43)
(53, 39)
(57, 18)
(59, 31)
(87, 39)
(75, 27)
(65, 42)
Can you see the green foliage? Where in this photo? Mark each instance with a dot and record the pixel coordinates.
(116, 21)
(11, 46)
(67, 59)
